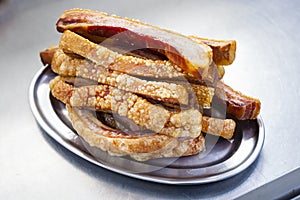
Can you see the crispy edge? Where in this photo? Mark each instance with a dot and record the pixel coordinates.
(218, 127)
(223, 50)
(139, 148)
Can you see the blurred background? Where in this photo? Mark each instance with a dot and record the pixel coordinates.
(33, 166)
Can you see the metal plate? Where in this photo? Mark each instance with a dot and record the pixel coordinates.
(222, 158)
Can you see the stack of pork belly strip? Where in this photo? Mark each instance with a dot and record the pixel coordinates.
(147, 85)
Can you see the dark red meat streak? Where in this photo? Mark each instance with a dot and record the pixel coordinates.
(121, 36)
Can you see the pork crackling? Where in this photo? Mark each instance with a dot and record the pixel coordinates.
(139, 147)
(184, 123)
(173, 93)
(193, 57)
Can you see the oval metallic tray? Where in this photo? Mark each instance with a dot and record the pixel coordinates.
(222, 158)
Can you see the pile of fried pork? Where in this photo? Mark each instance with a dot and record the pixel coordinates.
(139, 90)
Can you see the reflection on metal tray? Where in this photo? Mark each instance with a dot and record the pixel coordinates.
(222, 158)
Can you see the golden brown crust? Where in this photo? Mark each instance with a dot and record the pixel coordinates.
(161, 91)
(204, 94)
(140, 111)
(60, 90)
(162, 69)
(186, 123)
(219, 127)
(68, 66)
(72, 42)
(138, 147)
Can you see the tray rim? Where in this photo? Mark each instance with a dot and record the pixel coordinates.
(142, 176)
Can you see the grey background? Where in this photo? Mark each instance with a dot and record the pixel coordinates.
(34, 166)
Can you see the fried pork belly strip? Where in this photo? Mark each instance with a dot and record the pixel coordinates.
(223, 50)
(218, 127)
(214, 126)
(185, 123)
(161, 91)
(141, 112)
(191, 56)
(239, 105)
(144, 66)
(141, 147)
(69, 66)
(72, 42)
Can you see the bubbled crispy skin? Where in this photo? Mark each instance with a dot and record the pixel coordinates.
(66, 65)
(203, 94)
(105, 57)
(60, 90)
(143, 147)
(185, 123)
(219, 127)
(141, 112)
(125, 64)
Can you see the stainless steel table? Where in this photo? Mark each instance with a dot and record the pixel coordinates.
(34, 166)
